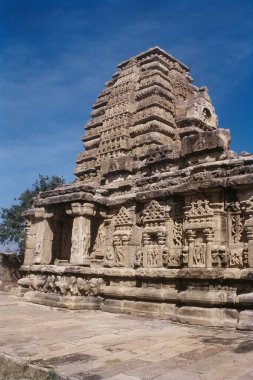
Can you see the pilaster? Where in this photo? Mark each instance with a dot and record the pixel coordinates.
(80, 241)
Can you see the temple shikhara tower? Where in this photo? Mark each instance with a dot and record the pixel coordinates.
(159, 221)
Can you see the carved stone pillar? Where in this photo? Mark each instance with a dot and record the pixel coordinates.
(42, 253)
(146, 238)
(80, 240)
(191, 239)
(37, 250)
(249, 231)
(161, 237)
(48, 239)
(30, 235)
(209, 238)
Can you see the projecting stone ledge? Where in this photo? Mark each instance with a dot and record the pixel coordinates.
(220, 307)
(198, 273)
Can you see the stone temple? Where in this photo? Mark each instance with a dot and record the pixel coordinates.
(159, 221)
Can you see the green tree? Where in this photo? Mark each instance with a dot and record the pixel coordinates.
(12, 225)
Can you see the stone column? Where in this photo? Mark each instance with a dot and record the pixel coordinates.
(191, 239)
(42, 252)
(249, 231)
(209, 238)
(146, 238)
(80, 240)
(30, 235)
(46, 257)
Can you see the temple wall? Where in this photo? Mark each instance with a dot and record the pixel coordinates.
(192, 232)
(188, 262)
(159, 221)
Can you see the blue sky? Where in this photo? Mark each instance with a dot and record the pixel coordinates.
(57, 55)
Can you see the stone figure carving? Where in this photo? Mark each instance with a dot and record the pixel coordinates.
(36, 282)
(199, 253)
(109, 257)
(173, 258)
(100, 239)
(82, 285)
(138, 262)
(85, 241)
(50, 283)
(37, 252)
(165, 256)
(152, 256)
(220, 256)
(59, 284)
(75, 242)
(236, 259)
(80, 243)
(119, 256)
(65, 285)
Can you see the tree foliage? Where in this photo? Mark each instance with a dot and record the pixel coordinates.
(12, 224)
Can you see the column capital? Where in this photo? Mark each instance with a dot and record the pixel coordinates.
(39, 213)
(209, 232)
(29, 214)
(191, 235)
(249, 228)
(81, 209)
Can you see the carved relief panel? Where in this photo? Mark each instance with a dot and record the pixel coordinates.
(236, 241)
(42, 251)
(98, 241)
(154, 234)
(174, 242)
(119, 250)
(199, 228)
(249, 231)
(121, 236)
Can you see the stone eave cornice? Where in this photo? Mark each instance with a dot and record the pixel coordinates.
(29, 212)
(115, 200)
(74, 188)
(191, 186)
(208, 170)
(186, 122)
(65, 194)
(119, 185)
(248, 160)
(206, 166)
(66, 198)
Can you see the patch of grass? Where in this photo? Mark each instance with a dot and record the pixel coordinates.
(51, 375)
(10, 370)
